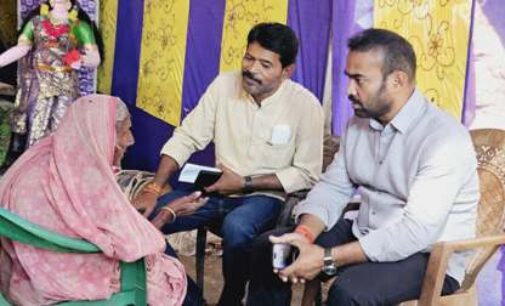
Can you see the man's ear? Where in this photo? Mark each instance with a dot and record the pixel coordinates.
(288, 71)
(399, 79)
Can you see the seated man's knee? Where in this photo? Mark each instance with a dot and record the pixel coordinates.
(237, 231)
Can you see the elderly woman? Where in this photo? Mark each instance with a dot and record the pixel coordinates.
(65, 183)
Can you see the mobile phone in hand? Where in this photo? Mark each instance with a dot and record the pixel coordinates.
(282, 255)
(205, 179)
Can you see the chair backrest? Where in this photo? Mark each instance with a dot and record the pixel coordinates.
(133, 274)
(19, 229)
(489, 145)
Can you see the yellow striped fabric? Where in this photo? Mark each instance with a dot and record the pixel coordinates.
(163, 52)
(439, 31)
(108, 20)
(240, 16)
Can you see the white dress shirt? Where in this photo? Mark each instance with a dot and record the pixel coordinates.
(417, 177)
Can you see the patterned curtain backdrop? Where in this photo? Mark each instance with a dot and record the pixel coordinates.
(439, 30)
(172, 49)
(240, 16)
(8, 18)
(162, 58)
(86, 76)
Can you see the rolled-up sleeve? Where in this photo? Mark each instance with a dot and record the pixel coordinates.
(447, 166)
(196, 131)
(308, 158)
(331, 194)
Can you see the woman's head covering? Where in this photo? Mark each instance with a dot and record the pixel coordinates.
(65, 183)
(74, 167)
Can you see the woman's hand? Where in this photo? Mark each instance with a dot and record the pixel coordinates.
(145, 202)
(181, 207)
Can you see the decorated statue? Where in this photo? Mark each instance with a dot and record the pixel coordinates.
(56, 40)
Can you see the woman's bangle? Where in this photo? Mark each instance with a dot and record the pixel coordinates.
(152, 187)
(171, 211)
(305, 231)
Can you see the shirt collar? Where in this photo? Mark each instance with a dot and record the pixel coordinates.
(409, 112)
(406, 116)
(267, 100)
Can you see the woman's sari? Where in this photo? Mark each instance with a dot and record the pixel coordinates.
(65, 183)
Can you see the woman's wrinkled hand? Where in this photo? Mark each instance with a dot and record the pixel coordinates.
(145, 203)
(182, 206)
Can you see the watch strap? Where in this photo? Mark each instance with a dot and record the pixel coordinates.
(328, 258)
(248, 184)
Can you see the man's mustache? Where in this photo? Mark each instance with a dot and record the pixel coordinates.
(354, 99)
(249, 75)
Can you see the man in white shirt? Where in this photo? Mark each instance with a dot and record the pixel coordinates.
(416, 171)
(268, 135)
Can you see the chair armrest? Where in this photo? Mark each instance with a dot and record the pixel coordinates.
(292, 200)
(439, 258)
(19, 229)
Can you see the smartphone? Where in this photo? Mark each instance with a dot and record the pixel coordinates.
(283, 255)
(205, 179)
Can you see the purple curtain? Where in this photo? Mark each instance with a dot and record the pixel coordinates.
(469, 99)
(312, 22)
(345, 22)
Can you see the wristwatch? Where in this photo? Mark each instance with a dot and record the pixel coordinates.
(248, 184)
(329, 267)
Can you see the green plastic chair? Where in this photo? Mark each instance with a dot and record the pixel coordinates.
(133, 274)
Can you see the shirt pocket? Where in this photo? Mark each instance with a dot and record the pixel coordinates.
(277, 156)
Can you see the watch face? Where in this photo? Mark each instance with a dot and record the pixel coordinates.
(330, 269)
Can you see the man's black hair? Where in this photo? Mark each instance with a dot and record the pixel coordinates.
(398, 52)
(276, 37)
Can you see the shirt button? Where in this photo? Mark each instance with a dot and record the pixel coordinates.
(373, 212)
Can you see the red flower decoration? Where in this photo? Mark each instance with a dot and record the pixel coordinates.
(55, 30)
(71, 57)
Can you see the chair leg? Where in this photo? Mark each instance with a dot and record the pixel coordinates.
(312, 293)
(319, 296)
(201, 240)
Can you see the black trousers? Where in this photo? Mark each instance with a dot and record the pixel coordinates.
(369, 283)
